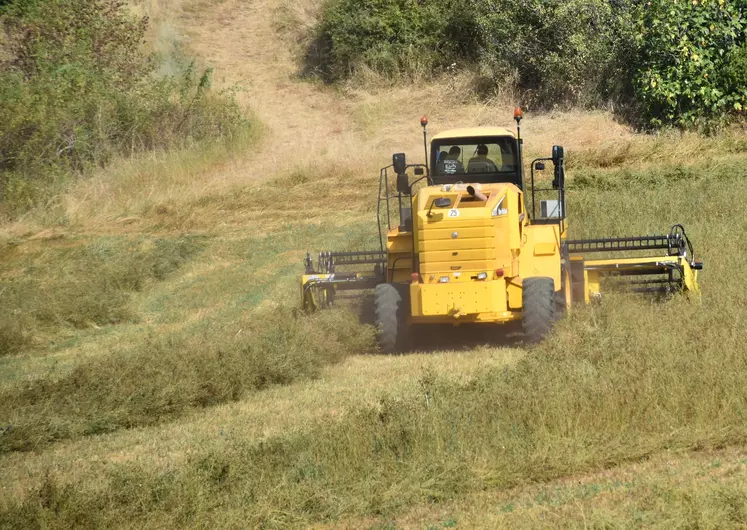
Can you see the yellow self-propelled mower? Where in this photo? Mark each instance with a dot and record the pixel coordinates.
(463, 243)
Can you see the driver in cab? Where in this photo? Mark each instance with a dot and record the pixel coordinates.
(450, 164)
(480, 163)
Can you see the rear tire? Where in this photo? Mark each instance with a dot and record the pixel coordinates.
(391, 311)
(538, 311)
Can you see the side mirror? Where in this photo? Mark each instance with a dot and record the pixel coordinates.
(557, 159)
(557, 154)
(399, 161)
(441, 202)
(539, 166)
(403, 184)
(419, 171)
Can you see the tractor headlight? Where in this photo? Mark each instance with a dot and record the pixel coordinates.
(443, 279)
(482, 276)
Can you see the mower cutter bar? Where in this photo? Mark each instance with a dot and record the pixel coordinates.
(674, 244)
(319, 284)
(675, 270)
(328, 261)
(659, 285)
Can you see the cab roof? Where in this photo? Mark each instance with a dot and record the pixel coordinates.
(472, 132)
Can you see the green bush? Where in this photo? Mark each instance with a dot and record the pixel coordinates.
(556, 52)
(690, 68)
(384, 35)
(78, 89)
(562, 52)
(661, 63)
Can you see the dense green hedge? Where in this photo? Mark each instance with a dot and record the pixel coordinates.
(664, 62)
(691, 59)
(77, 87)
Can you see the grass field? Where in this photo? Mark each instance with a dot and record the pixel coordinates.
(155, 370)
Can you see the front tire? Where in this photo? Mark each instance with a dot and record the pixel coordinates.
(391, 312)
(538, 311)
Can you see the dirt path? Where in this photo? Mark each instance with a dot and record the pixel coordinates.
(239, 40)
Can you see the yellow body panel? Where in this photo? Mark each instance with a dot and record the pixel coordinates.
(457, 299)
(454, 245)
(463, 266)
(514, 292)
(399, 256)
(471, 132)
(460, 256)
(470, 237)
(543, 258)
(462, 232)
(545, 249)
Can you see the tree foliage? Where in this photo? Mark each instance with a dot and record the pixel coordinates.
(555, 50)
(673, 62)
(689, 68)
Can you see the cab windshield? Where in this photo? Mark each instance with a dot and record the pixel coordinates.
(481, 159)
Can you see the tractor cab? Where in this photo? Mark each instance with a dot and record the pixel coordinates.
(486, 156)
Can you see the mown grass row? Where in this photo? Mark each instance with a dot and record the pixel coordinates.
(681, 489)
(160, 370)
(161, 377)
(79, 285)
(614, 383)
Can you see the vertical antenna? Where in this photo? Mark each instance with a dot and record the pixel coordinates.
(424, 124)
(518, 115)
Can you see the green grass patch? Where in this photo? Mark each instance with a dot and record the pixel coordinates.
(612, 385)
(164, 376)
(79, 285)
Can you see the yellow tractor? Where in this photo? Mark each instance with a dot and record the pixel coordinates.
(463, 243)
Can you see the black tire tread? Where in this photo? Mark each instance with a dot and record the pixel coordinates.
(538, 311)
(391, 304)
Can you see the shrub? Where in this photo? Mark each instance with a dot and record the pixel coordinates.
(558, 51)
(78, 89)
(661, 62)
(385, 35)
(688, 69)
